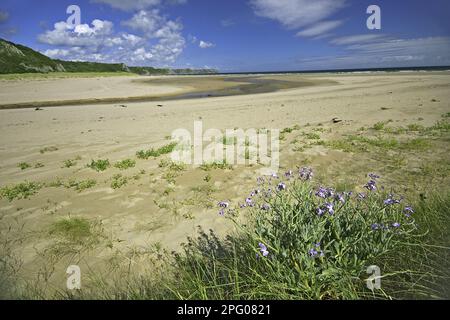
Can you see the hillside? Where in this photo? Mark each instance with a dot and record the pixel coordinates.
(15, 58)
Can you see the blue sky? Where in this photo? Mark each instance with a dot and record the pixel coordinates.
(235, 35)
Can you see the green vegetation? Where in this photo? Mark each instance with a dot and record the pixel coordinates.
(362, 144)
(125, 164)
(81, 185)
(22, 190)
(300, 243)
(48, 149)
(290, 252)
(99, 165)
(142, 154)
(24, 165)
(39, 165)
(69, 163)
(118, 181)
(379, 126)
(312, 136)
(216, 165)
(72, 229)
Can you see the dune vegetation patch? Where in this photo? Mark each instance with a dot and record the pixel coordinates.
(99, 165)
(118, 181)
(125, 164)
(166, 149)
(20, 191)
(74, 229)
(81, 185)
(48, 149)
(24, 165)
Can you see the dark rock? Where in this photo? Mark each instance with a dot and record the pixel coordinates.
(336, 120)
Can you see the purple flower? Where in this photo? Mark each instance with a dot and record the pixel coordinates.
(263, 249)
(408, 211)
(391, 200)
(324, 192)
(330, 208)
(224, 204)
(289, 174)
(340, 197)
(306, 173)
(371, 185)
(249, 202)
(265, 207)
(374, 176)
(320, 211)
(361, 196)
(221, 212)
(327, 207)
(375, 226)
(396, 225)
(313, 253)
(281, 186)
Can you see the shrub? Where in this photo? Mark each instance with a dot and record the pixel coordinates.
(125, 164)
(99, 165)
(69, 163)
(118, 181)
(24, 165)
(81, 185)
(23, 190)
(300, 242)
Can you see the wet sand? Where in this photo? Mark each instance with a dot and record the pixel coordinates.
(88, 91)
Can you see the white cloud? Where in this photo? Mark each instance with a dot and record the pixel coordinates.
(206, 45)
(384, 52)
(294, 14)
(359, 38)
(82, 36)
(153, 25)
(161, 41)
(320, 28)
(135, 5)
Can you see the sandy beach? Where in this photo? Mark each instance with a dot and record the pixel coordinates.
(152, 209)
